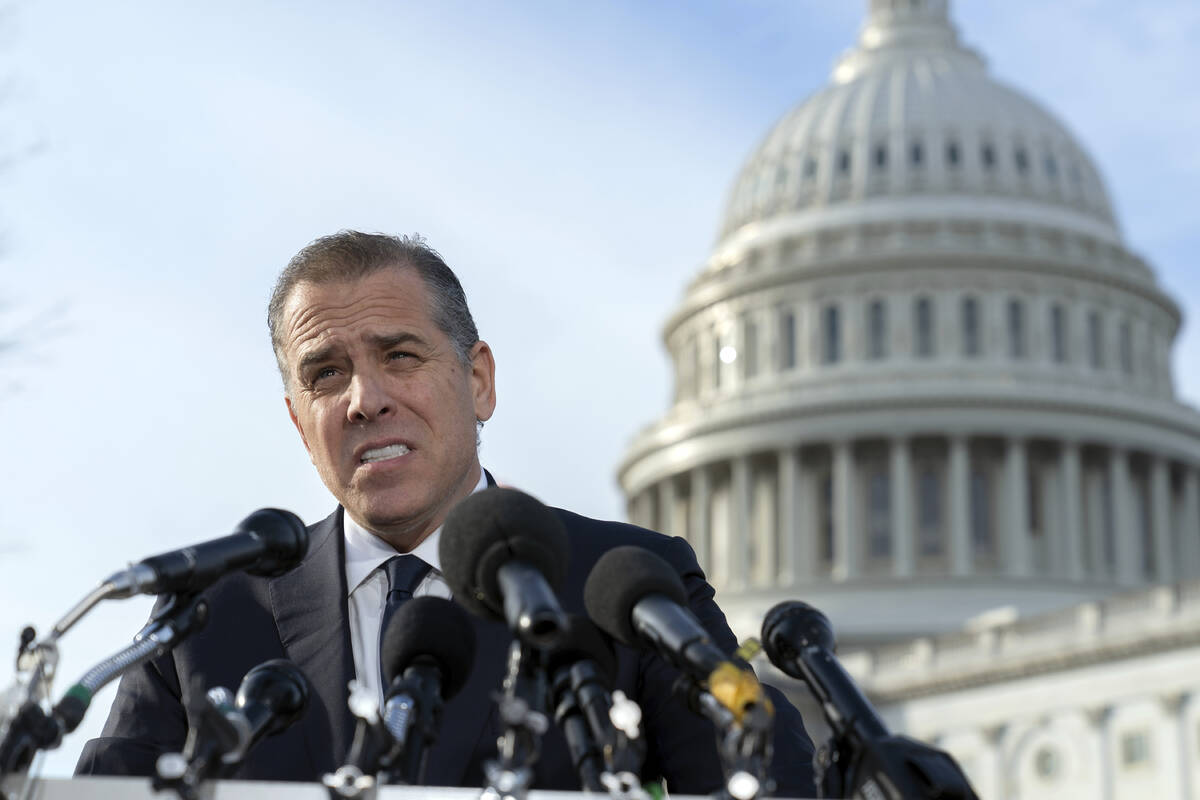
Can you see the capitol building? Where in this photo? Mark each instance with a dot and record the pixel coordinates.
(923, 383)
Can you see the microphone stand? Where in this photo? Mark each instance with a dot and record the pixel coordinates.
(357, 777)
(614, 724)
(209, 739)
(743, 728)
(522, 712)
(34, 729)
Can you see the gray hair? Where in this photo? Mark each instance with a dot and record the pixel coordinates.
(351, 255)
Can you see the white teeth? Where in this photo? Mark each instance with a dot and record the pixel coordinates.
(384, 453)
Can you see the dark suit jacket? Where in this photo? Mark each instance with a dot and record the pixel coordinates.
(303, 616)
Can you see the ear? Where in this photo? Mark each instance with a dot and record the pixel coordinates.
(483, 380)
(296, 422)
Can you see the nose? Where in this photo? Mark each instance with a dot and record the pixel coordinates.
(368, 398)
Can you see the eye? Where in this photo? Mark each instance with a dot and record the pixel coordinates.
(324, 373)
(399, 355)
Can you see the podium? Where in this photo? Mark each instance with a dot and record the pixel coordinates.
(102, 788)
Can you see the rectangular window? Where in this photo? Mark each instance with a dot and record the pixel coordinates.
(750, 345)
(929, 511)
(1058, 333)
(1095, 340)
(982, 536)
(787, 340)
(1126, 348)
(1033, 487)
(877, 323)
(1135, 748)
(879, 514)
(923, 313)
(716, 362)
(1016, 329)
(825, 517)
(970, 327)
(831, 351)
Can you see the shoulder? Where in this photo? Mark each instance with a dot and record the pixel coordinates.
(592, 538)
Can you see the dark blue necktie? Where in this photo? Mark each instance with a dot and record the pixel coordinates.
(404, 574)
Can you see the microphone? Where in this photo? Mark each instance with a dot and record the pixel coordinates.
(269, 542)
(799, 641)
(870, 762)
(271, 697)
(502, 551)
(638, 598)
(427, 654)
(580, 666)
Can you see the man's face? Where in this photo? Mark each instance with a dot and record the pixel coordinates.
(385, 407)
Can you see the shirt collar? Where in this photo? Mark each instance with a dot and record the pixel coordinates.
(366, 552)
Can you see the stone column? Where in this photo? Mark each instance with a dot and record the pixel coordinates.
(1016, 519)
(1098, 719)
(739, 522)
(1001, 780)
(792, 559)
(960, 501)
(900, 476)
(1174, 708)
(699, 518)
(1188, 528)
(1128, 543)
(845, 522)
(1072, 506)
(668, 519)
(1160, 520)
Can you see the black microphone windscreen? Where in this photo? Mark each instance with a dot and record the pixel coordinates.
(790, 626)
(431, 628)
(284, 535)
(622, 577)
(582, 639)
(491, 528)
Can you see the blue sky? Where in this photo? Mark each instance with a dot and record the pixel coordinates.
(570, 160)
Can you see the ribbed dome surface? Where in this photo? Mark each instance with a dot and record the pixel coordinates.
(910, 111)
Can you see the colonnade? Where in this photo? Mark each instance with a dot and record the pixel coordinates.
(956, 505)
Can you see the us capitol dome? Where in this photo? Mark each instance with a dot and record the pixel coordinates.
(922, 376)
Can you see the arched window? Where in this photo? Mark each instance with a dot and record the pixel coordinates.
(877, 330)
(1022, 159)
(916, 153)
(1016, 329)
(923, 323)
(952, 155)
(988, 154)
(970, 327)
(831, 329)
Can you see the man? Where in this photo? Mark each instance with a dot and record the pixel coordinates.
(387, 381)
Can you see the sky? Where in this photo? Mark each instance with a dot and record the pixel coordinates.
(161, 163)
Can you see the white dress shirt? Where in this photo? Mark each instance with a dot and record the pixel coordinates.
(368, 585)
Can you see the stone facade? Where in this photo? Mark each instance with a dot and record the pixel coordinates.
(922, 377)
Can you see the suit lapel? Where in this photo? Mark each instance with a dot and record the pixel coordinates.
(310, 608)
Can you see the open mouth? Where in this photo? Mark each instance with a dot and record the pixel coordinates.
(384, 453)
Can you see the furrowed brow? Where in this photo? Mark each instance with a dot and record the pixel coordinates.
(313, 358)
(397, 339)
